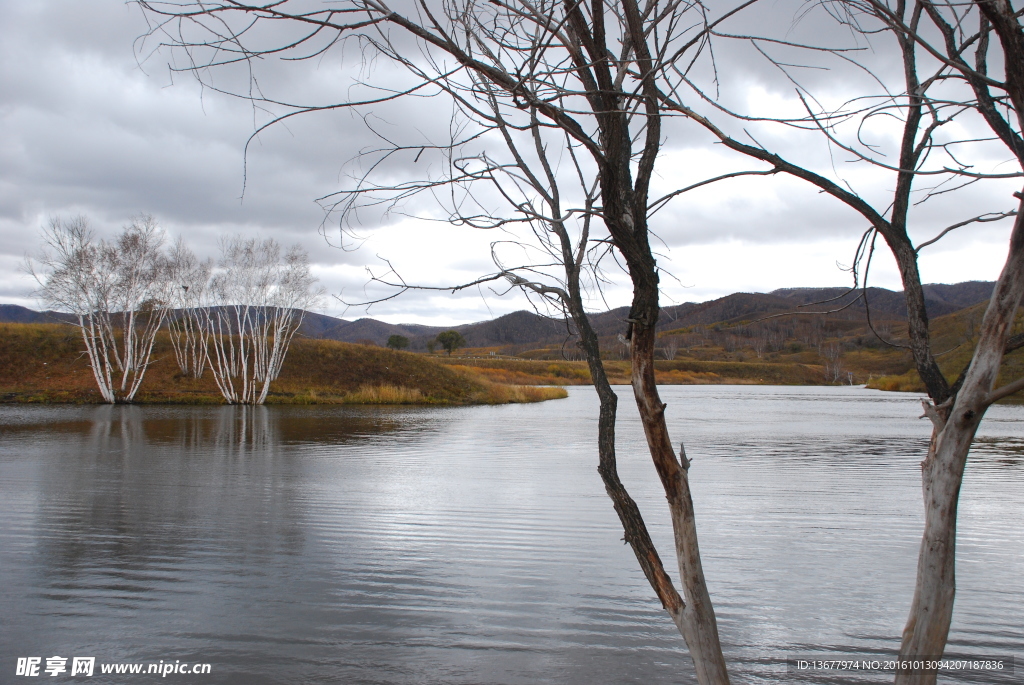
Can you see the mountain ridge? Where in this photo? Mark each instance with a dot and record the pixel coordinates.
(524, 328)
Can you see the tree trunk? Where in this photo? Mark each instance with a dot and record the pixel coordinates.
(625, 216)
(942, 471)
(634, 529)
(697, 621)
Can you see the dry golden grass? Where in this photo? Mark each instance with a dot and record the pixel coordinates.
(509, 376)
(384, 394)
(693, 372)
(904, 382)
(40, 361)
(676, 377)
(525, 372)
(679, 372)
(492, 392)
(496, 393)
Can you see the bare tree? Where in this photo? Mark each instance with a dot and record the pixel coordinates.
(670, 346)
(776, 336)
(581, 75)
(259, 299)
(956, 409)
(948, 106)
(189, 291)
(832, 354)
(759, 340)
(116, 290)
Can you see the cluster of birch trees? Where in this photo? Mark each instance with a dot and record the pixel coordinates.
(234, 317)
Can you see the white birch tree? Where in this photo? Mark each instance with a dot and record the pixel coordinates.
(189, 290)
(259, 298)
(117, 291)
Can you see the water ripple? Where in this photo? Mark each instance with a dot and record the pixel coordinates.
(476, 545)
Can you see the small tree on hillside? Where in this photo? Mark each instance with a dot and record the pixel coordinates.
(451, 341)
(759, 340)
(670, 346)
(398, 342)
(832, 354)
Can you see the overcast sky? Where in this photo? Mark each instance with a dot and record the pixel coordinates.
(86, 129)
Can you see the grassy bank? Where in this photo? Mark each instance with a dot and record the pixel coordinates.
(681, 371)
(700, 359)
(45, 363)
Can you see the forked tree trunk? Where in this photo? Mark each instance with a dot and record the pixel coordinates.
(633, 525)
(695, 618)
(942, 471)
(697, 621)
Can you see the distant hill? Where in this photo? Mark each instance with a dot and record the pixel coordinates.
(331, 328)
(517, 328)
(960, 295)
(13, 313)
(940, 299)
(524, 328)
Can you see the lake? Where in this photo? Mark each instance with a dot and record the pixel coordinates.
(476, 544)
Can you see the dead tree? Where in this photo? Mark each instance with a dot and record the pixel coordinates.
(947, 88)
(832, 354)
(759, 340)
(670, 346)
(558, 263)
(588, 72)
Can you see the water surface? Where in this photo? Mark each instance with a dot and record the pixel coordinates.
(477, 545)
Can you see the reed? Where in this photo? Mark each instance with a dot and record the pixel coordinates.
(384, 393)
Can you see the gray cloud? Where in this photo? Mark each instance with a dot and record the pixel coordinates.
(95, 123)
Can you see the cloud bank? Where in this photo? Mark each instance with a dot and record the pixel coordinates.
(95, 123)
